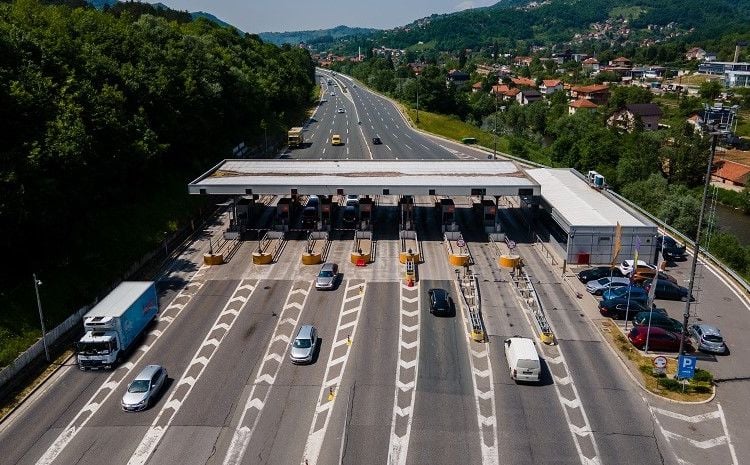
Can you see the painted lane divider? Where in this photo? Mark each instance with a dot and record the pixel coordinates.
(275, 352)
(406, 374)
(336, 365)
(170, 313)
(200, 361)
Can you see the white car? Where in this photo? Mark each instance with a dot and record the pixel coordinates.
(340, 110)
(626, 267)
(597, 286)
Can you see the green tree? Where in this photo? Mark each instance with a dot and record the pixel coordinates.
(710, 90)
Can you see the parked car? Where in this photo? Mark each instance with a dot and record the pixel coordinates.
(707, 338)
(439, 301)
(376, 141)
(327, 276)
(642, 274)
(671, 249)
(658, 339)
(617, 310)
(304, 345)
(310, 213)
(144, 389)
(658, 320)
(626, 267)
(600, 285)
(635, 293)
(599, 272)
(340, 110)
(352, 200)
(668, 290)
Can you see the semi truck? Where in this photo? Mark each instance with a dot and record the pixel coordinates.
(295, 137)
(115, 323)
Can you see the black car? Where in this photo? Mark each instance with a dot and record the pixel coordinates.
(671, 248)
(658, 320)
(667, 290)
(350, 215)
(617, 310)
(599, 272)
(376, 141)
(439, 301)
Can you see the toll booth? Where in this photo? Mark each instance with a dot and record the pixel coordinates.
(284, 213)
(326, 213)
(406, 210)
(488, 214)
(446, 209)
(240, 215)
(366, 211)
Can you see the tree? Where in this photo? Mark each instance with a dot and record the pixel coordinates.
(710, 90)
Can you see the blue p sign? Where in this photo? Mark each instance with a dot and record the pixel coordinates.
(686, 366)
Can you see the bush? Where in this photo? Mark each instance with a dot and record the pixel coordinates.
(702, 389)
(670, 384)
(703, 376)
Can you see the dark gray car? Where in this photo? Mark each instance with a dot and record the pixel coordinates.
(144, 388)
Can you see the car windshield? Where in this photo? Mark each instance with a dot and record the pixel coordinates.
(325, 274)
(302, 343)
(713, 338)
(139, 385)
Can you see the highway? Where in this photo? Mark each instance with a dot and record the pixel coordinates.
(391, 383)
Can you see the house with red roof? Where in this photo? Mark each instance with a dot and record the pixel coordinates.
(550, 86)
(581, 104)
(523, 82)
(597, 93)
(731, 173)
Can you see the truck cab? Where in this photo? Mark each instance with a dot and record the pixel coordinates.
(98, 349)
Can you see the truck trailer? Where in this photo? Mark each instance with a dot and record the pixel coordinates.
(114, 324)
(296, 138)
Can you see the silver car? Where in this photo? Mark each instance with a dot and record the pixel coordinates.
(304, 345)
(327, 276)
(707, 338)
(144, 388)
(598, 286)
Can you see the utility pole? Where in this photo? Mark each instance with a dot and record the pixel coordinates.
(38, 283)
(494, 149)
(417, 98)
(696, 248)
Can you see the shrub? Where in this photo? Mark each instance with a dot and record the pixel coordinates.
(670, 384)
(702, 389)
(703, 376)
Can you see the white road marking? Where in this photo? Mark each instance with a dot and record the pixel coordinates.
(388, 147)
(398, 447)
(427, 148)
(119, 374)
(395, 136)
(166, 415)
(284, 331)
(407, 146)
(324, 406)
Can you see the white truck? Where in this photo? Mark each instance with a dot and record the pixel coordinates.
(115, 323)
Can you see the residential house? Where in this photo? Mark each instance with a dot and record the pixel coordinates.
(731, 173)
(502, 91)
(476, 87)
(621, 62)
(649, 115)
(590, 65)
(581, 104)
(696, 121)
(523, 82)
(522, 61)
(457, 78)
(417, 68)
(697, 53)
(528, 96)
(550, 86)
(597, 93)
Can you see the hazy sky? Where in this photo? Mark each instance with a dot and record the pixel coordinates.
(295, 15)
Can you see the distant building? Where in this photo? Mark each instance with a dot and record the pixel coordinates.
(649, 114)
(550, 86)
(590, 65)
(523, 82)
(522, 61)
(697, 53)
(457, 78)
(528, 96)
(621, 62)
(731, 173)
(476, 87)
(597, 93)
(581, 105)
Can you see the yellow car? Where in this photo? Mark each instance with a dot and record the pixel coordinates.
(336, 140)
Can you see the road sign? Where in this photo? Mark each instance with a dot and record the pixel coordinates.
(660, 365)
(686, 366)
(460, 243)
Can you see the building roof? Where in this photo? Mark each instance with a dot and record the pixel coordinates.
(363, 177)
(551, 82)
(578, 204)
(622, 60)
(458, 75)
(591, 61)
(476, 85)
(731, 171)
(512, 92)
(531, 93)
(499, 89)
(523, 82)
(582, 103)
(644, 109)
(592, 89)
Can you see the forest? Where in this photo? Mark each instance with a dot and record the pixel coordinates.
(102, 110)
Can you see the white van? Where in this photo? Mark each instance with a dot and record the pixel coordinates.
(523, 360)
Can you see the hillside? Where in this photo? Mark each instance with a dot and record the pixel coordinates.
(321, 35)
(580, 24)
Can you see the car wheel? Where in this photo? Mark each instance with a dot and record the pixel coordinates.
(683, 298)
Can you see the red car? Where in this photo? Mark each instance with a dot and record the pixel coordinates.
(660, 339)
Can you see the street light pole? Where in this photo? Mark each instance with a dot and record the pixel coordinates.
(696, 248)
(494, 149)
(38, 283)
(417, 98)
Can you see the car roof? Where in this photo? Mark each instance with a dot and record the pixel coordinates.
(148, 372)
(328, 266)
(437, 292)
(707, 329)
(305, 331)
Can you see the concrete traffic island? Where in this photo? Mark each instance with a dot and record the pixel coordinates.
(458, 251)
(362, 248)
(213, 259)
(317, 244)
(410, 249)
(268, 248)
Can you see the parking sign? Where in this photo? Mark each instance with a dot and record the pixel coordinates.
(686, 366)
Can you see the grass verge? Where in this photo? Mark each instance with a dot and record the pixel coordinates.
(696, 390)
(453, 128)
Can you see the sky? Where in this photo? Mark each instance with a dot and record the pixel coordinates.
(256, 16)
